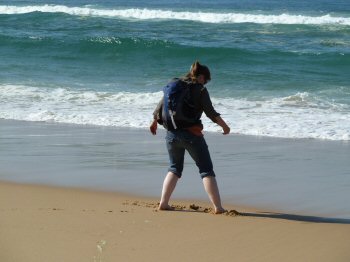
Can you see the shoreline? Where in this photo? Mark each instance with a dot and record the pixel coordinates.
(44, 223)
(185, 204)
(161, 129)
(302, 177)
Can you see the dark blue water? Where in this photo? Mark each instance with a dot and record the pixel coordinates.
(279, 68)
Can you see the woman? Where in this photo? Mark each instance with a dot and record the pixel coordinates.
(190, 138)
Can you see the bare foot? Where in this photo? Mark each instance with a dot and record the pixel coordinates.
(166, 207)
(219, 211)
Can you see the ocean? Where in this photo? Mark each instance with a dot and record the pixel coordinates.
(279, 68)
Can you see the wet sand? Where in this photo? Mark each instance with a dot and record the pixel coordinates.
(302, 177)
(42, 223)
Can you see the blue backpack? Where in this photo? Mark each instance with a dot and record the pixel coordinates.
(178, 109)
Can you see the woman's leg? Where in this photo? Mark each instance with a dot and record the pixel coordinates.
(169, 185)
(199, 151)
(176, 159)
(211, 187)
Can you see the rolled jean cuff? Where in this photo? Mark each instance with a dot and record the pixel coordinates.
(205, 174)
(175, 172)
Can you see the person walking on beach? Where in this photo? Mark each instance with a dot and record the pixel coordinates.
(184, 131)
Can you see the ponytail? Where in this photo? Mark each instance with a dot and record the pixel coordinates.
(196, 70)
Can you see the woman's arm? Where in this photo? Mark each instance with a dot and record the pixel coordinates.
(211, 113)
(156, 117)
(223, 124)
(153, 127)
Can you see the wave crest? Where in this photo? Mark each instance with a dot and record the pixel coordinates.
(205, 17)
(297, 116)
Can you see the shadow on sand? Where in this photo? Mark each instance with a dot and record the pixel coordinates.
(300, 218)
(193, 208)
(291, 217)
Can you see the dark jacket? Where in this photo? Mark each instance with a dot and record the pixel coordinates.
(201, 101)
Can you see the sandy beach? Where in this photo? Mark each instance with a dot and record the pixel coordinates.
(87, 193)
(302, 176)
(41, 223)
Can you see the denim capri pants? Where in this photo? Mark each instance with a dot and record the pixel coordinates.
(177, 142)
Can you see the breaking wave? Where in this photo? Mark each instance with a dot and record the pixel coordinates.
(205, 17)
(301, 115)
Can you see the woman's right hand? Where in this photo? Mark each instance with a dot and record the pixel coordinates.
(153, 127)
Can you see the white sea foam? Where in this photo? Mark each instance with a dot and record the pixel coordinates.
(296, 116)
(206, 17)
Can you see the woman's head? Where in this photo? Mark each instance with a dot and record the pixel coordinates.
(199, 73)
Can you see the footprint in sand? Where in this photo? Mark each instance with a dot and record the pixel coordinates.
(191, 207)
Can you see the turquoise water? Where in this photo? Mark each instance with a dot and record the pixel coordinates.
(279, 69)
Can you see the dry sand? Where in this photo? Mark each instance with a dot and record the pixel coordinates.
(40, 223)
